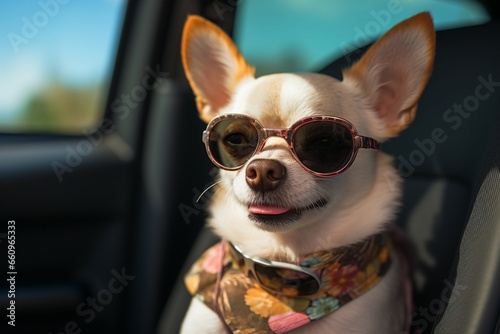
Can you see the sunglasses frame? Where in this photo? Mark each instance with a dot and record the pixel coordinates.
(249, 266)
(287, 134)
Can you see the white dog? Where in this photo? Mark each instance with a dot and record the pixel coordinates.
(303, 203)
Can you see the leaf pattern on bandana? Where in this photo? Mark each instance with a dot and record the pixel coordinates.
(263, 303)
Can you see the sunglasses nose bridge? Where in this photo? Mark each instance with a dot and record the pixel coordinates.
(281, 133)
(270, 132)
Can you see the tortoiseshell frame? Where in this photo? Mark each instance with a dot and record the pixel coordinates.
(287, 135)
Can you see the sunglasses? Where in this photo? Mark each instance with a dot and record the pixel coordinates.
(284, 278)
(325, 146)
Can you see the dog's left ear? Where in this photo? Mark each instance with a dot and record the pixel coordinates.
(394, 71)
(213, 65)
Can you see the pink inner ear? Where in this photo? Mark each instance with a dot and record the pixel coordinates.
(385, 104)
(211, 77)
(392, 93)
(213, 85)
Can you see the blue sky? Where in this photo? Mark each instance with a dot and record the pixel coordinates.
(312, 33)
(74, 42)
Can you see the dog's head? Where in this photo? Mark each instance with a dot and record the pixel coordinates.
(272, 196)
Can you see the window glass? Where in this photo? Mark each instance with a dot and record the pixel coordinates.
(303, 35)
(56, 59)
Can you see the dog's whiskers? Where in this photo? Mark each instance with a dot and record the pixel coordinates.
(207, 189)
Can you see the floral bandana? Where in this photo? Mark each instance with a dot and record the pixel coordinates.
(346, 273)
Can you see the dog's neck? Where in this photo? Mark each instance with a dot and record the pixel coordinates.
(345, 227)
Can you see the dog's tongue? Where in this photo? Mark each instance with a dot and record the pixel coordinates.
(267, 210)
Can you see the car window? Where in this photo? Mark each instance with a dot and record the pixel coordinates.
(301, 35)
(56, 59)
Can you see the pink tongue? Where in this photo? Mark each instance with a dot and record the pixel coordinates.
(267, 210)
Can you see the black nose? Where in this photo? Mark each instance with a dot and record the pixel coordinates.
(264, 175)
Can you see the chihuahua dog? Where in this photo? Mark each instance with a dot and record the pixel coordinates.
(303, 201)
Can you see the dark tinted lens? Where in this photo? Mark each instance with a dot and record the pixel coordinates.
(322, 146)
(286, 281)
(233, 141)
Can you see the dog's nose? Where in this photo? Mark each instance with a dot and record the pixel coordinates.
(264, 175)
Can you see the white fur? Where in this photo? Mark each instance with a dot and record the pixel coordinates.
(360, 201)
(201, 319)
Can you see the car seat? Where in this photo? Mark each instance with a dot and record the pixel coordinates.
(450, 160)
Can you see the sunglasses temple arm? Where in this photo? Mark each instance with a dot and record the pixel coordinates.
(367, 142)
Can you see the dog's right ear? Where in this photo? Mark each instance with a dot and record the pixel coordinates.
(213, 65)
(394, 71)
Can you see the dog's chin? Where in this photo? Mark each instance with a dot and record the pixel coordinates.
(285, 221)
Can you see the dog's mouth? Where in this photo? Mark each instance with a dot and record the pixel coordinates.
(274, 216)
